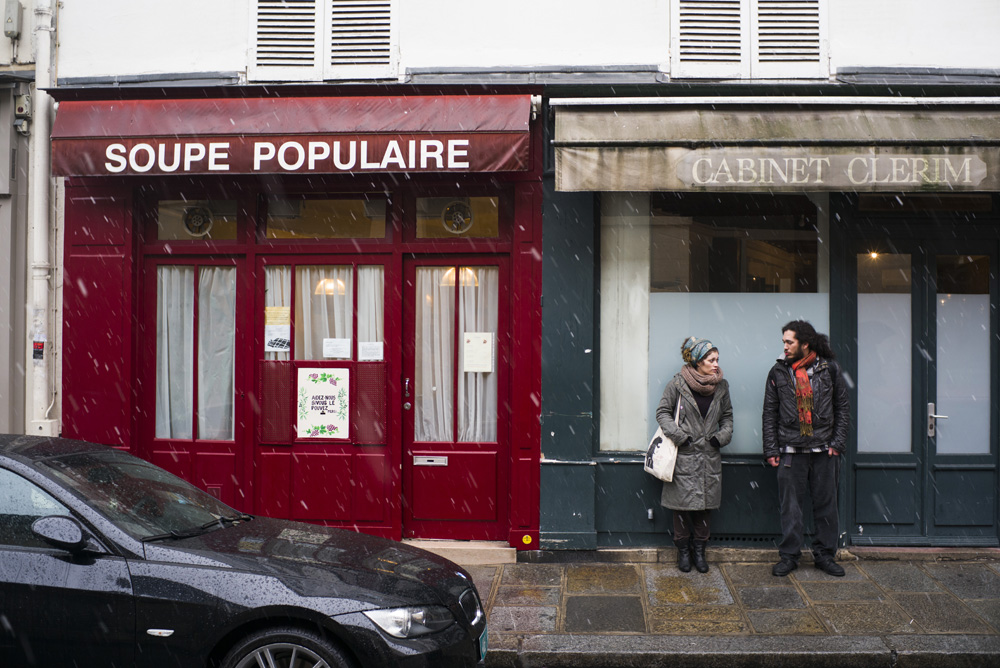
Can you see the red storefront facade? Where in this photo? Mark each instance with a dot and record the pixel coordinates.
(325, 309)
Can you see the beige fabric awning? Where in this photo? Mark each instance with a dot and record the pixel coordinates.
(746, 148)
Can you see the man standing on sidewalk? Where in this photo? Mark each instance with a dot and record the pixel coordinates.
(805, 422)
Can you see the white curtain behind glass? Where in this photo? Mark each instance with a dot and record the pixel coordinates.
(174, 351)
(435, 355)
(278, 292)
(328, 315)
(477, 392)
(216, 352)
(371, 304)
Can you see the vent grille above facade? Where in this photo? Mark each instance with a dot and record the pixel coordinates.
(741, 39)
(316, 40)
(788, 30)
(286, 33)
(710, 31)
(360, 32)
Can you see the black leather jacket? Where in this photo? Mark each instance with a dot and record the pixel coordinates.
(831, 409)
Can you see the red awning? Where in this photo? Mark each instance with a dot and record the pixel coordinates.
(312, 135)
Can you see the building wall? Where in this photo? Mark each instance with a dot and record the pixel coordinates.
(141, 37)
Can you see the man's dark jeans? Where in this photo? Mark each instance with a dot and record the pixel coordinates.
(818, 473)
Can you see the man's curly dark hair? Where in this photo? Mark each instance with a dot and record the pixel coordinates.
(806, 333)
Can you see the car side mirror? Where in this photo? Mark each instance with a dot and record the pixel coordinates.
(62, 532)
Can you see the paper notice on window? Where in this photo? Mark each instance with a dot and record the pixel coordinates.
(277, 315)
(370, 351)
(324, 405)
(337, 348)
(478, 352)
(277, 338)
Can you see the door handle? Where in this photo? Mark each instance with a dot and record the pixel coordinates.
(932, 419)
(406, 387)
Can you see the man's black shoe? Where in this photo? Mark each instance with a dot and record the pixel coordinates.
(784, 567)
(830, 567)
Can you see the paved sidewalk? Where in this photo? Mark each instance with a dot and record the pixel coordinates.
(894, 608)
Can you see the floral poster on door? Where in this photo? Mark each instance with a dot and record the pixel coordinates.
(324, 403)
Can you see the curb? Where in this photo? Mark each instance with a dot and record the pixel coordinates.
(643, 651)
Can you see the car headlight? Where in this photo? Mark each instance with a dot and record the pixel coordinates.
(412, 622)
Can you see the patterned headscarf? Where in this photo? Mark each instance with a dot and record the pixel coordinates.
(694, 349)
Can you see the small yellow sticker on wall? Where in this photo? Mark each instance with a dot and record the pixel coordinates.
(526, 539)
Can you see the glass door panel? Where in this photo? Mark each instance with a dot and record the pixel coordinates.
(176, 393)
(216, 352)
(174, 352)
(885, 349)
(963, 354)
(434, 372)
(477, 381)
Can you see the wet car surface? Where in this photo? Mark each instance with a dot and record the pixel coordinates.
(107, 560)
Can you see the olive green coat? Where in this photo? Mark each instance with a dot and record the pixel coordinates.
(697, 483)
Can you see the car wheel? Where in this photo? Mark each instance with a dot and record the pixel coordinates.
(286, 648)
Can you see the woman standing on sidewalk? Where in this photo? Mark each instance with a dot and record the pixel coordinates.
(704, 427)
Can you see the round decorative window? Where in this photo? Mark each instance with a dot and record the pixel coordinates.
(457, 217)
(198, 221)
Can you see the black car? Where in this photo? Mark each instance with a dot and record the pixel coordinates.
(107, 560)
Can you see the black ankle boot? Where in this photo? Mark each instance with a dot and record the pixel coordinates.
(683, 555)
(698, 552)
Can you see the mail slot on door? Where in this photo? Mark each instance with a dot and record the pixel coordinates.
(430, 461)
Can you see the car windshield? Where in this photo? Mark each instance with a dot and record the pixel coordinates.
(142, 499)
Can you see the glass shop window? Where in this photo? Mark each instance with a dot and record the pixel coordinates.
(340, 218)
(196, 220)
(458, 217)
(334, 304)
(729, 268)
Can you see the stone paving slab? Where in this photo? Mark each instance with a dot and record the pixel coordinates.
(906, 613)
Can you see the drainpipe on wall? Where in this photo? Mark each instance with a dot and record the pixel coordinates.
(43, 395)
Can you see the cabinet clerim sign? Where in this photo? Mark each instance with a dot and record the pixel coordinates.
(797, 169)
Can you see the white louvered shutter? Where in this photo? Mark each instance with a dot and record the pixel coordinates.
(709, 39)
(362, 40)
(740, 39)
(789, 39)
(286, 40)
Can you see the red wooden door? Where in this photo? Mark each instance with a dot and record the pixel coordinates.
(193, 414)
(324, 448)
(455, 397)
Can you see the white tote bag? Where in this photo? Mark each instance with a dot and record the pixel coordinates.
(661, 455)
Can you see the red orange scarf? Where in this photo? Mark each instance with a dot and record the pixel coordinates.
(804, 394)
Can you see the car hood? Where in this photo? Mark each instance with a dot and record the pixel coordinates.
(318, 561)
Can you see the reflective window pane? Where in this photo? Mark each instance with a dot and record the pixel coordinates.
(196, 220)
(885, 408)
(719, 244)
(963, 354)
(455, 217)
(342, 218)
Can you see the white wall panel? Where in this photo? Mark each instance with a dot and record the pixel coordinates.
(525, 33)
(914, 33)
(135, 37)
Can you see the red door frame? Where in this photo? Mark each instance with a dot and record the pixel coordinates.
(431, 491)
(219, 467)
